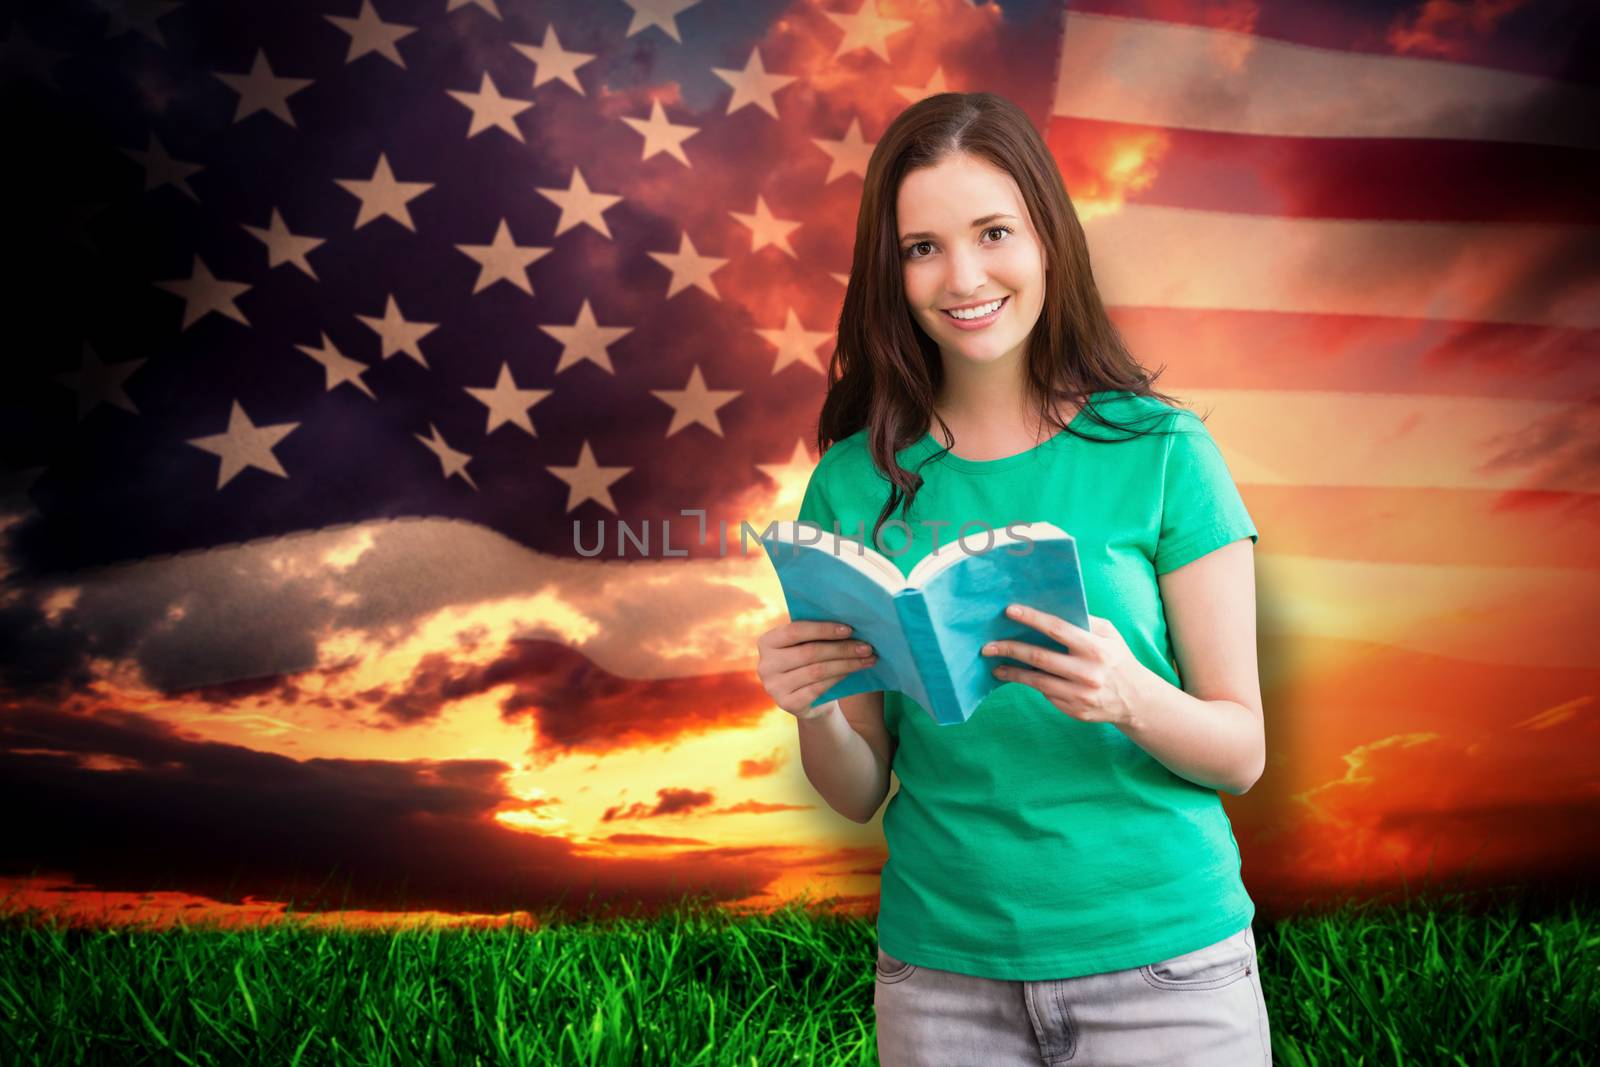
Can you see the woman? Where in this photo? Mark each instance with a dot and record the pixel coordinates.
(1062, 882)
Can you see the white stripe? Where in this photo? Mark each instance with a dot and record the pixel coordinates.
(1155, 256)
(1399, 441)
(1166, 74)
(1522, 616)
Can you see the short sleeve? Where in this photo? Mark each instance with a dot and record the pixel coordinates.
(1201, 509)
(814, 505)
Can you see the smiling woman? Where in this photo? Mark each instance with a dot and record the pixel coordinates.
(1061, 876)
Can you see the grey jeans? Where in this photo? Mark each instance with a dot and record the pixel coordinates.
(1200, 1009)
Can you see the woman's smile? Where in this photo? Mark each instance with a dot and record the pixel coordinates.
(976, 324)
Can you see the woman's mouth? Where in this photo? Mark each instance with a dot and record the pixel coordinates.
(976, 324)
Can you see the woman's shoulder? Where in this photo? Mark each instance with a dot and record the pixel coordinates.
(1149, 414)
(842, 448)
(850, 453)
(839, 458)
(849, 461)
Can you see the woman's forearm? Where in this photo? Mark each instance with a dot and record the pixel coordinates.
(842, 766)
(1215, 743)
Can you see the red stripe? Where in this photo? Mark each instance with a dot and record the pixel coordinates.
(1543, 40)
(1410, 180)
(1219, 349)
(1446, 527)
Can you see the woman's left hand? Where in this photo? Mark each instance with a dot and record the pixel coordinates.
(1098, 680)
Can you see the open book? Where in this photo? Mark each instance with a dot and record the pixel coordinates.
(928, 627)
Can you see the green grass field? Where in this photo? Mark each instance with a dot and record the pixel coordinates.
(1441, 981)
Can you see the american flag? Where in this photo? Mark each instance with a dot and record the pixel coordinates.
(355, 324)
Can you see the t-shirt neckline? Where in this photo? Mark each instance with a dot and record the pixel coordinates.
(930, 444)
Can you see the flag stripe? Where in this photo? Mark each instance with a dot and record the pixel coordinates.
(1333, 178)
(1487, 38)
(1300, 437)
(1532, 616)
(1151, 255)
(1158, 73)
(1459, 527)
(1358, 354)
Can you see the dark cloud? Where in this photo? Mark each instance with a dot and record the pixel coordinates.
(39, 658)
(245, 622)
(575, 704)
(226, 822)
(652, 839)
(668, 802)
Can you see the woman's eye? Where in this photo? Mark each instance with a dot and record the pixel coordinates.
(910, 249)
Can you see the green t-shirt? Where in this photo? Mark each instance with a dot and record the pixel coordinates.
(1025, 844)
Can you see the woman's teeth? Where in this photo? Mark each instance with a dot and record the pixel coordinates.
(979, 311)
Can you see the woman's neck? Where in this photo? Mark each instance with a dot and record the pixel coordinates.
(1001, 418)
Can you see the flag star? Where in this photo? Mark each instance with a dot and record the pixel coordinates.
(507, 403)
(100, 383)
(140, 15)
(866, 29)
(369, 33)
(661, 135)
(695, 403)
(663, 13)
(487, 5)
(841, 278)
(795, 344)
(849, 155)
(338, 368)
(792, 477)
(585, 339)
(450, 461)
(285, 247)
(766, 228)
(162, 169)
(382, 195)
(689, 267)
(504, 260)
(261, 90)
(551, 61)
(203, 292)
(753, 85)
(489, 108)
(397, 334)
(936, 85)
(245, 445)
(587, 480)
(580, 205)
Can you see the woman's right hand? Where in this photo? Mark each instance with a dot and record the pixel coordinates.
(799, 660)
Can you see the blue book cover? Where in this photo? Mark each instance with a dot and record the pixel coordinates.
(929, 625)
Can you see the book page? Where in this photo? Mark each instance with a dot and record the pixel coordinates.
(947, 555)
(857, 554)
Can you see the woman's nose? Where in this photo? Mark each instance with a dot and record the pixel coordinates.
(965, 277)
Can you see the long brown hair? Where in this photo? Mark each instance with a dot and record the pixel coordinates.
(886, 371)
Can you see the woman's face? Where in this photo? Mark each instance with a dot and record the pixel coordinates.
(948, 261)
